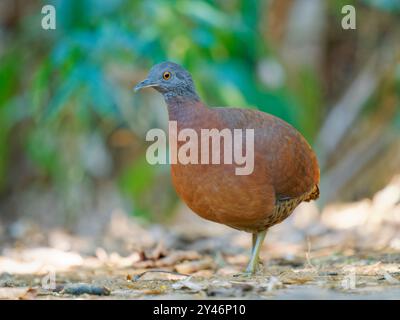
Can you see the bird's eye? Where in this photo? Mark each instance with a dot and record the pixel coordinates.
(167, 75)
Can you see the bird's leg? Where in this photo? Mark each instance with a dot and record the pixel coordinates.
(253, 243)
(258, 239)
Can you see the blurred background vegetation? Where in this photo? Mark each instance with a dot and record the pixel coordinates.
(72, 147)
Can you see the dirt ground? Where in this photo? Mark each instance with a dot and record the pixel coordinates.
(347, 251)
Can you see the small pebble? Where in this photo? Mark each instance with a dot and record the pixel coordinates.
(82, 288)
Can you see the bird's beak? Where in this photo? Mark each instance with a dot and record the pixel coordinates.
(144, 84)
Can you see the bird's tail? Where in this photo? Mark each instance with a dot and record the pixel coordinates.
(314, 194)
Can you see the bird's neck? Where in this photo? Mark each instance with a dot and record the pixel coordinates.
(184, 110)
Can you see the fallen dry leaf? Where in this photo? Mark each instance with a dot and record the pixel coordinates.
(295, 278)
(273, 283)
(13, 293)
(157, 253)
(194, 266)
(389, 278)
(30, 294)
(188, 284)
(171, 259)
(157, 275)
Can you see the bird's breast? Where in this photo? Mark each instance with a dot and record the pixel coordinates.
(216, 193)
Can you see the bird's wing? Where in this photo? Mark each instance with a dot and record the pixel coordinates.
(293, 165)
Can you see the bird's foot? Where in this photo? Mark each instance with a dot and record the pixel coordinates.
(250, 271)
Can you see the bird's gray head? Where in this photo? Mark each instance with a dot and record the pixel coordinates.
(171, 80)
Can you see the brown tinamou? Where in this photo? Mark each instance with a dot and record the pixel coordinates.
(285, 171)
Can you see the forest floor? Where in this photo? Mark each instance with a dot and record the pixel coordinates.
(347, 251)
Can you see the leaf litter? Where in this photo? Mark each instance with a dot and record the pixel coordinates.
(345, 251)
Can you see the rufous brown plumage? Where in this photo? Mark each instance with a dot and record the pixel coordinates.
(285, 171)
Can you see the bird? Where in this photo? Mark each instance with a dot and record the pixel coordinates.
(286, 170)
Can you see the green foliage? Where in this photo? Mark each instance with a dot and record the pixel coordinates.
(136, 181)
(386, 5)
(9, 68)
(138, 177)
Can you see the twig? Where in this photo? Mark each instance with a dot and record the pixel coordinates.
(308, 254)
(138, 276)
